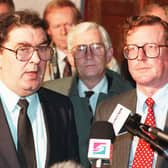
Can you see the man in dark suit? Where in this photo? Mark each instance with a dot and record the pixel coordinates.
(44, 117)
(91, 52)
(146, 50)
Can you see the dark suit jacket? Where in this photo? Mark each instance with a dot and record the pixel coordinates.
(69, 86)
(62, 141)
(122, 144)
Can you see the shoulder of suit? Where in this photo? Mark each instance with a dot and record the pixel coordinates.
(61, 85)
(122, 98)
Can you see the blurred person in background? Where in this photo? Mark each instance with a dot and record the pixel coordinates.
(61, 16)
(6, 6)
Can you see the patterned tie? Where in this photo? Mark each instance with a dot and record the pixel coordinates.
(88, 95)
(144, 154)
(67, 69)
(26, 149)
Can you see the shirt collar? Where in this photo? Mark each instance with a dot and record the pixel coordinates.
(10, 98)
(102, 87)
(61, 55)
(160, 97)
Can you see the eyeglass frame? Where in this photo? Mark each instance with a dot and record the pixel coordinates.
(138, 47)
(88, 46)
(35, 48)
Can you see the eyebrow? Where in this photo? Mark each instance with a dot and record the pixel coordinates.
(26, 43)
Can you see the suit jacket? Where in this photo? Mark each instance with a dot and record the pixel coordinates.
(122, 144)
(69, 87)
(62, 141)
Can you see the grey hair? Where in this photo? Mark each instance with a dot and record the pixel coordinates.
(85, 26)
(67, 164)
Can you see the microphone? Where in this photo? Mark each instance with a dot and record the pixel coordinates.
(133, 126)
(119, 119)
(124, 121)
(100, 143)
(156, 132)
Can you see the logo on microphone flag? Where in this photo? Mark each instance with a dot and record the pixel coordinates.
(99, 148)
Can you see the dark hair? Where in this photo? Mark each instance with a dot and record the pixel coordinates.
(17, 19)
(60, 4)
(10, 4)
(137, 21)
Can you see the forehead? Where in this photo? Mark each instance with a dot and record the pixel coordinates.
(146, 34)
(87, 37)
(27, 34)
(59, 15)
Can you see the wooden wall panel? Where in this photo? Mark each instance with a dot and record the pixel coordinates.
(111, 15)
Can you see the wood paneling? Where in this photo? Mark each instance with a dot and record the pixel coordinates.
(111, 15)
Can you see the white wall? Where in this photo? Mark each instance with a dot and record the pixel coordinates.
(38, 5)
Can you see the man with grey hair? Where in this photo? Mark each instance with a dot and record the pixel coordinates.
(91, 50)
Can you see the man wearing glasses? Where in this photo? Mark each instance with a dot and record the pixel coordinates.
(37, 126)
(91, 50)
(146, 49)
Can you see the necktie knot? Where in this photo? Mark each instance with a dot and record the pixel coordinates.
(23, 103)
(88, 94)
(150, 102)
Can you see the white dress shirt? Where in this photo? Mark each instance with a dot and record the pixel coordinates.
(9, 101)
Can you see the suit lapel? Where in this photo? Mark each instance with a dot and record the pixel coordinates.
(44, 106)
(8, 154)
(123, 142)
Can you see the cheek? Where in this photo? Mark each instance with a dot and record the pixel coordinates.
(131, 66)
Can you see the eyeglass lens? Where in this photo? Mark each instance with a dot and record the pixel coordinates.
(150, 50)
(95, 49)
(25, 53)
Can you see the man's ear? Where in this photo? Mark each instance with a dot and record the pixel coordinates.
(109, 55)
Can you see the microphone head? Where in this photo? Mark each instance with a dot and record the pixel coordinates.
(102, 130)
(133, 121)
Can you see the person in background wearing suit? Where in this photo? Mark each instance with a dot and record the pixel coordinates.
(146, 49)
(6, 6)
(61, 16)
(37, 125)
(91, 50)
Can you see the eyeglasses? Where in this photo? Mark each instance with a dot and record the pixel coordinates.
(24, 53)
(151, 50)
(96, 49)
